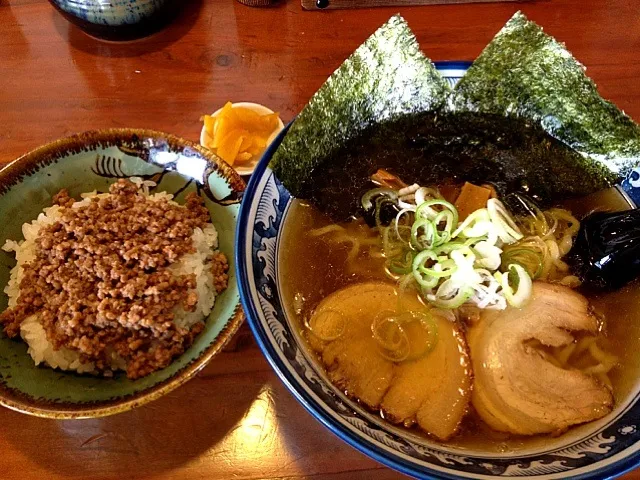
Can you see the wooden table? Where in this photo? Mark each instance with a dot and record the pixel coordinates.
(235, 420)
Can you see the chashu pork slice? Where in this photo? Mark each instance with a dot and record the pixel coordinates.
(352, 360)
(516, 389)
(433, 390)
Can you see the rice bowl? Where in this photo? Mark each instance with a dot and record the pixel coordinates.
(87, 162)
(198, 262)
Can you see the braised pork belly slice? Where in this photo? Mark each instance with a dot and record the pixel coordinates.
(432, 390)
(516, 388)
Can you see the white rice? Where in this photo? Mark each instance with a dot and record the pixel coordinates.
(205, 242)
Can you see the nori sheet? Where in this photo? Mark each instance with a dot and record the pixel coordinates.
(388, 107)
(387, 76)
(515, 155)
(526, 73)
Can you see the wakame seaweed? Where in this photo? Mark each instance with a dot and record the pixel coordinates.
(606, 253)
(512, 154)
(387, 76)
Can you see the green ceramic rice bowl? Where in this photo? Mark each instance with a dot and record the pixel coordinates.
(93, 161)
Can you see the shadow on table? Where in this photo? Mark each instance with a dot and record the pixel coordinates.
(15, 50)
(185, 18)
(185, 426)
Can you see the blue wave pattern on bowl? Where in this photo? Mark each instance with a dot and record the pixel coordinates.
(631, 185)
(111, 12)
(608, 451)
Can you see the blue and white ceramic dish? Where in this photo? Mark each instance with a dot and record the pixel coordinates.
(601, 449)
(116, 19)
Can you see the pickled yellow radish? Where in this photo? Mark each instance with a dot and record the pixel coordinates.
(239, 134)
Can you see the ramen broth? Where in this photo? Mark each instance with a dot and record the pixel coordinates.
(313, 267)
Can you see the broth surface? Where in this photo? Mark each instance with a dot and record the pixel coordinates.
(312, 268)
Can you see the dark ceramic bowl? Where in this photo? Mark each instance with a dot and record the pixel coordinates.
(118, 19)
(92, 161)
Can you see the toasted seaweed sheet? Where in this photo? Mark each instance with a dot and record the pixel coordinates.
(514, 155)
(386, 77)
(526, 73)
(525, 117)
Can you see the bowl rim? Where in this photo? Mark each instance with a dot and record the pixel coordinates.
(608, 471)
(11, 174)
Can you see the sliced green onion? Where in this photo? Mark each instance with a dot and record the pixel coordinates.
(451, 246)
(532, 260)
(453, 262)
(424, 210)
(424, 279)
(480, 215)
(508, 231)
(425, 240)
(444, 235)
(524, 286)
(399, 226)
(440, 269)
(391, 338)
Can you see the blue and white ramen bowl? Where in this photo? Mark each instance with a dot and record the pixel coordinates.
(601, 449)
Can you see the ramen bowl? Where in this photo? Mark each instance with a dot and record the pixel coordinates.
(92, 161)
(601, 449)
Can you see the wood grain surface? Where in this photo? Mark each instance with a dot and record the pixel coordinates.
(235, 420)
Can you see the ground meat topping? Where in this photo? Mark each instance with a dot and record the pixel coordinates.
(219, 269)
(101, 284)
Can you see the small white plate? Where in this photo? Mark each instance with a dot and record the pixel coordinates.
(247, 168)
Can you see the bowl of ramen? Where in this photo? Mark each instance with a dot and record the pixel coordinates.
(117, 279)
(449, 326)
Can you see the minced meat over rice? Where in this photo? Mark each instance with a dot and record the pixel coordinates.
(101, 284)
